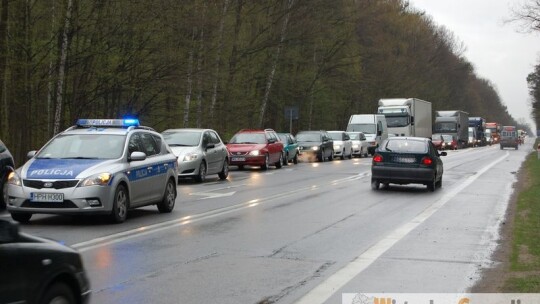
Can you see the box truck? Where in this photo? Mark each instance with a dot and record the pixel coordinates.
(455, 123)
(373, 126)
(407, 116)
(479, 125)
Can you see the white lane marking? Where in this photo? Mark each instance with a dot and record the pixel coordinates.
(332, 284)
(208, 195)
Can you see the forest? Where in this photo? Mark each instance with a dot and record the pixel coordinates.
(224, 64)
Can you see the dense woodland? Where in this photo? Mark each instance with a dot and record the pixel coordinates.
(226, 64)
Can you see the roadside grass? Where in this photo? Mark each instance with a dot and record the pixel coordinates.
(524, 272)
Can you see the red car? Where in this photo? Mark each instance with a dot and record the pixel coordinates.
(450, 142)
(255, 148)
(438, 141)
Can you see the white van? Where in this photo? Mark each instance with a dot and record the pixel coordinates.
(372, 125)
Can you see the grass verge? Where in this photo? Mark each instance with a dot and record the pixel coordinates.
(524, 270)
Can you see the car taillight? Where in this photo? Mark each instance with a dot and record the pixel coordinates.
(377, 158)
(427, 161)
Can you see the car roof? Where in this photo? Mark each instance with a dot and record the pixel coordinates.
(187, 130)
(409, 138)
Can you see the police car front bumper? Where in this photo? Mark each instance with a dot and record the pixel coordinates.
(76, 200)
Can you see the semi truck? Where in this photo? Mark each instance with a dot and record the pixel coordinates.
(494, 129)
(373, 126)
(455, 123)
(407, 116)
(479, 125)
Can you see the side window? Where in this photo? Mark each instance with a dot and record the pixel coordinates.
(206, 139)
(379, 126)
(159, 144)
(214, 138)
(148, 144)
(134, 144)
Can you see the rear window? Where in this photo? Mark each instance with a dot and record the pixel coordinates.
(406, 146)
(509, 134)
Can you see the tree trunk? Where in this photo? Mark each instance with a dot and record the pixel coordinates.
(270, 78)
(218, 60)
(199, 68)
(61, 70)
(3, 66)
(189, 79)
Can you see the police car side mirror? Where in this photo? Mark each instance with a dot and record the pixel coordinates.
(9, 232)
(31, 154)
(137, 156)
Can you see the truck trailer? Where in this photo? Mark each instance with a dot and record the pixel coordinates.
(494, 129)
(407, 116)
(455, 123)
(479, 125)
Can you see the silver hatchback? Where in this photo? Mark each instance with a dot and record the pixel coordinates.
(99, 166)
(200, 152)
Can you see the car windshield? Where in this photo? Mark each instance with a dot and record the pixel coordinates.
(336, 135)
(283, 138)
(179, 139)
(354, 136)
(84, 146)
(444, 127)
(248, 138)
(407, 146)
(366, 128)
(314, 137)
(447, 137)
(436, 137)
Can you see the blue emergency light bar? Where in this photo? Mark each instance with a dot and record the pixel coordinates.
(119, 123)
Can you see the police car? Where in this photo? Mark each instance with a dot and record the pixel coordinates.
(98, 166)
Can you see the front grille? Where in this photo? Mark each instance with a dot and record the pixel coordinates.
(59, 184)
(65, 204)
(239, 153)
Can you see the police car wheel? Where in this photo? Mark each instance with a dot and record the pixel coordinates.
(120, 205)
(224, 171)
(21, 217)
(167, 203)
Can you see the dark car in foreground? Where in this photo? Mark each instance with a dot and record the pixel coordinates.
(407, 160)
(315, 145)
(6, 165)
(40, 271)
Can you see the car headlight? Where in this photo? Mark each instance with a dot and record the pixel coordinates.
(355, 146)
(14, 179)
(337, 147)
(255, 153)
(101, 179)
(191, 156)
(315, 148)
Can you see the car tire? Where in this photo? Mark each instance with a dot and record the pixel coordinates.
(350, 154)
(439, 183)
(331, 157)
(279, 163)
(432, 185)
(322, 158)
(286, 159)
(120, 205)
(21, 217)
(375, 184)
(224, 171)
(3, 194)
(343, 154)
(201, 177)
(58, 293)
(264, 167)
(169, 197)
(295, 159)
(240, 167)
(501, 147)
(516, 147)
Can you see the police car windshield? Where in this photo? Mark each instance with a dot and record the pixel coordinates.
(84, 146)
(180, 139)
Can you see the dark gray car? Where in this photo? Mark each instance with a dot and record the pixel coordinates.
(315, 145)
(6, 165)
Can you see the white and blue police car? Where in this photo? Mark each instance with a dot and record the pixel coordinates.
(98, 166)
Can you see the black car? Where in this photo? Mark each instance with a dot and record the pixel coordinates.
(6, 165)
(315, 145)
(407, 160)
(36, 270)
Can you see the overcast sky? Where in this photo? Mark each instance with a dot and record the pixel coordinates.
(497, 50)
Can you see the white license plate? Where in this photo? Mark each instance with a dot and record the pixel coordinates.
(47, 197)
(238, 159)
(405, 160)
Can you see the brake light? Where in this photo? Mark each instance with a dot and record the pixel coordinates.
(427, 161)
(377, 158)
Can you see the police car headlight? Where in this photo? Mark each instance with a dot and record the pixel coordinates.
(14, 179)
(101, 179)
(191, 156)
(315, 148)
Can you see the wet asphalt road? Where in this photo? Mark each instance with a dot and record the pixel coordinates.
(305, 233)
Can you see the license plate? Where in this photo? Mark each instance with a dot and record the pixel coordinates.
(405, 160)
(238, 159)
(47, 197)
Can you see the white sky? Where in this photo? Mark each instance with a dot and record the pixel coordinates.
(497, 50)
